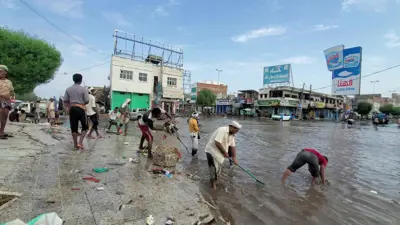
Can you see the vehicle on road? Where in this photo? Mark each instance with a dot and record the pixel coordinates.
(134, 115)
(282, 116)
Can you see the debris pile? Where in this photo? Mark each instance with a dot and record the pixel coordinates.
(166, 156)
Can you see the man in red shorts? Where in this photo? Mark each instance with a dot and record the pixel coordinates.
(316, 164)
(147, 121)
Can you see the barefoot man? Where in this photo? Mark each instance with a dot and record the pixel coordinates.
(316, 164)
(147, 121)
(76, 97)
(217, 149)
(93, 114)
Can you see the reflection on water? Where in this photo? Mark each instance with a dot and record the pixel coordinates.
(361, 160)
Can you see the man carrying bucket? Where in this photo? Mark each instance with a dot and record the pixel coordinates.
(217, 149)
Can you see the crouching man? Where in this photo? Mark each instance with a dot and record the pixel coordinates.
(316, 164)
(146, 122)
(217, 149)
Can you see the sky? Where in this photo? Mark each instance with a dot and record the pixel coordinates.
(238, 37)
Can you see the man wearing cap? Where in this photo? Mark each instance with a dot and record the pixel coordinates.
(217, 149)
(6, 91)
(93, 113)
(194, 132)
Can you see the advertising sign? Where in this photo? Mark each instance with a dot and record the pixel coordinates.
(334, 57)
(347, 80)
(222, 102)
(290, 103)
(269, 102)
(277, 74)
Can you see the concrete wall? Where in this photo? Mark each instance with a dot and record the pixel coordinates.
(171, 91)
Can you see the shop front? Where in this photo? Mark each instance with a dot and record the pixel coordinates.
(277, 106)
(223, 106)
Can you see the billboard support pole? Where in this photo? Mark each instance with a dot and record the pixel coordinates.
(301, 103)
(291, 77)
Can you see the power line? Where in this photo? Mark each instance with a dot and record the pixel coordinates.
(87, 68)
(58, 28)
(380, 71)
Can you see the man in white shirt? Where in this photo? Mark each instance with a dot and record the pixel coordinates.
(113, 115)
(92, 113)
(222, 140)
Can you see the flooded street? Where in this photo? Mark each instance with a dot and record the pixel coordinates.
(361, 160)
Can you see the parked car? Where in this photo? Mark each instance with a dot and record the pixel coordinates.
(134, 115)
(282, 116)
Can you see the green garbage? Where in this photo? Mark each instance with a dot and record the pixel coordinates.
(100, 170)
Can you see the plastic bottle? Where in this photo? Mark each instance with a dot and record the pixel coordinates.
(100, 170)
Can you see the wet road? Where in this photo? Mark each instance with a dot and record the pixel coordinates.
(361, 160)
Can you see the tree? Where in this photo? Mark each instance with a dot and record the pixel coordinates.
(396, 111)
(30, 60)
(28, 97)
(363, 108)
(387, 109)
(206, 98)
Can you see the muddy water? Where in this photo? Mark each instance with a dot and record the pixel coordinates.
(361, 160)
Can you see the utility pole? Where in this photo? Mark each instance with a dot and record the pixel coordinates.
(216, 107)
(301, 103)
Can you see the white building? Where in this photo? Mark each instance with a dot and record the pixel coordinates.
(138, 80)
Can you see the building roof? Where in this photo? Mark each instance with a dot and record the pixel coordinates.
(314, 93)
(251, 91)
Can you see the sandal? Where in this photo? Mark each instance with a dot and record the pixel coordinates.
(3, 137)
(8, 135)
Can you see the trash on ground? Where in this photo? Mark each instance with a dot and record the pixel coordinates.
(126, 143)
(166, 156)
(91, 179)
(76, 171)
(100, 188)
(133, 160)
(374, 192)
(170, 221)
(150, 220)
(100, 170)
(50, 201)
(46, 218)
(116, 164)
(75, 189)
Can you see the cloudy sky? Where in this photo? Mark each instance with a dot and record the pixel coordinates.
(238, 37)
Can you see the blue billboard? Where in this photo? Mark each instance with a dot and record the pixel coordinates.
(347, 80)
(277, 74)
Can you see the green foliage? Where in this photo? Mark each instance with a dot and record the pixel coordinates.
(206, 98)
(396, 111)
(363, 108)
(29, 97)
(387, 109)
(30, 60)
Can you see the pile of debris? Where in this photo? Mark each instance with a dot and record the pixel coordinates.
(166, 156)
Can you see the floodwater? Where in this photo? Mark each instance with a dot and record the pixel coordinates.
(363, 173)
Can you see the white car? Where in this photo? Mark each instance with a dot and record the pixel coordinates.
(282, 116)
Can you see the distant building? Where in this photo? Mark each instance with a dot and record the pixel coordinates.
(302, 103)
(396, 99)
(220, 90)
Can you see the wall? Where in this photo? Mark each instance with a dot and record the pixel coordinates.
(134, 85)
(175, 92)
(214, 88)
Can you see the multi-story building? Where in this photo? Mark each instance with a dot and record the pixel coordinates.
(138, 81)
(220, 90)
(148, 79)
(299, 102)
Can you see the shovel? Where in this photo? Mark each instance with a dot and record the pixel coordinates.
(248, 173)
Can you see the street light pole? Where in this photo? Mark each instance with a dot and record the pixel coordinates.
(216, 107)
(374, 82)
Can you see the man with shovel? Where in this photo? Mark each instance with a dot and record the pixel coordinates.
(217, 149)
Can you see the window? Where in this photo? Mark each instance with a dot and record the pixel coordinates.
(143, 77)
(171, 82)
(126, 74)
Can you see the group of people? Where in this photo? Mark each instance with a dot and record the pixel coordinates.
(221, 146)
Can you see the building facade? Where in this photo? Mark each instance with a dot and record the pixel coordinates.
(220, 90)
(298, 102)
(143, 82)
